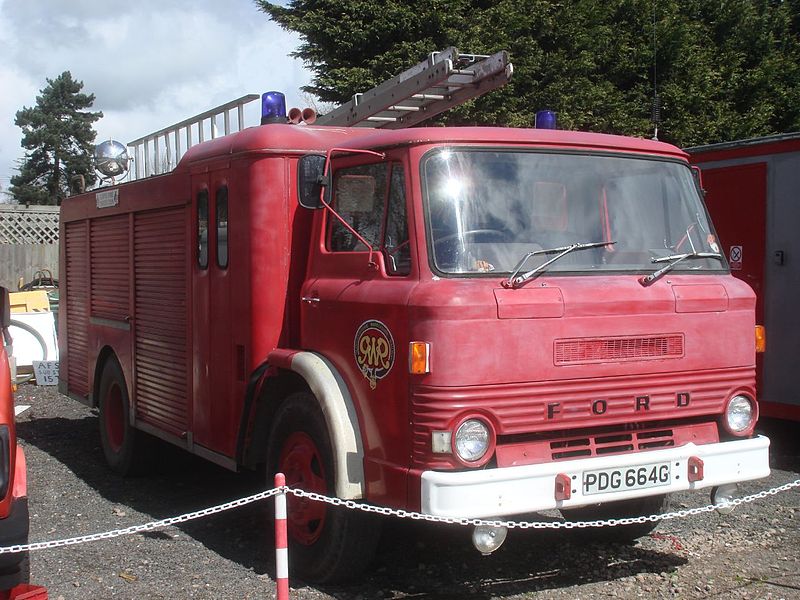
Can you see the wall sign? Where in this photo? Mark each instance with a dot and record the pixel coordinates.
(735, 258)
(46, 372)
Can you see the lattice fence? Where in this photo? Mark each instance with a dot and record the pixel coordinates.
(34, 225)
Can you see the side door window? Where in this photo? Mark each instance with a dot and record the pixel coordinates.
(202, 229)
(372, 200)
(359, 196)
(222, 227)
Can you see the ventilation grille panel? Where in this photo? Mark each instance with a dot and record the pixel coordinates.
(617, 349)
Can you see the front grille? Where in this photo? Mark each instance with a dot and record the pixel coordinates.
(588, 443)
(617, 349)
(600, 445)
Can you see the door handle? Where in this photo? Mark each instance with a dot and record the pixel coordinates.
(310, 299)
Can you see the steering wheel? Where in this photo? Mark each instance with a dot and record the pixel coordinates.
(470, 233)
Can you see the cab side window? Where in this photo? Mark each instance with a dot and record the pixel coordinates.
(359, 197)
(372, 200)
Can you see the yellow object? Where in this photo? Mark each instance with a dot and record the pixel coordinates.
(25, 302)
(419, 358)
(761, 338)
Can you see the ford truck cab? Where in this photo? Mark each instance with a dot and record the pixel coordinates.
(529, 320)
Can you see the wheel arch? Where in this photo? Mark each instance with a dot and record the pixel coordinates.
(287, 372)
(106, 353)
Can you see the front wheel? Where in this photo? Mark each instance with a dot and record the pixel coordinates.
(326, 543)
(637, 507)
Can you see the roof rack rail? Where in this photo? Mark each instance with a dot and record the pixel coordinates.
(171, 138)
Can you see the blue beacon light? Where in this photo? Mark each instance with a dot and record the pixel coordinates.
(545, 119)
(273, 108)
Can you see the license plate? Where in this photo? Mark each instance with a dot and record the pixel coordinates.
(627, 478)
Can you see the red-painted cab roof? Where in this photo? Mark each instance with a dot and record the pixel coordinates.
(301, 139)
(512, 136)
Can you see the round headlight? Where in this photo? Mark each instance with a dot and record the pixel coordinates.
(739, 414)
(472, 440)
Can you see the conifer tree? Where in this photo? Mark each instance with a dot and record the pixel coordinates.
(58, 139)
(726, 69)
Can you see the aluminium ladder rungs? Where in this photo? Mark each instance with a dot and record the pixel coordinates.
(446, 79)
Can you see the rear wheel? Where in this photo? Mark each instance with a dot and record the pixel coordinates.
(637, 507)
(123, 446)
(326, 543)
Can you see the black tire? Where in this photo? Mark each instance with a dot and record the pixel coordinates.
(327, 544)
(25, 569)
(638, 507)
(125, 449)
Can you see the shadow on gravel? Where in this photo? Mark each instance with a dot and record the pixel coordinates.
(416, 560)
(179, 483)
(784, 443)
(424, 561)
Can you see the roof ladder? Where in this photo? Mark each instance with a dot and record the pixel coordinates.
(446, 79)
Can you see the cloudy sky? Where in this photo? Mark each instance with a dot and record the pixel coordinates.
(150, 63)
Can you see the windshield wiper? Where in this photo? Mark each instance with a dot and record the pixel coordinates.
(672, 261)
(515, 280)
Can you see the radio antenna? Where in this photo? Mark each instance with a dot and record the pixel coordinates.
(656, 108)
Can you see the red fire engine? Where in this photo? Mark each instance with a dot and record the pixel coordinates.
(466, 322)
(750, 187)
(14, 567)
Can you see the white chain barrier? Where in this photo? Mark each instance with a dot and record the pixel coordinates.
(403, 514)
(93, 537)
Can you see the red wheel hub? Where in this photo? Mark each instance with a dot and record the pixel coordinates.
(301, 462)
(114, 415)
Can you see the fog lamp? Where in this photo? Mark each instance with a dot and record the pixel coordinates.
(724, 495)
(487, 538)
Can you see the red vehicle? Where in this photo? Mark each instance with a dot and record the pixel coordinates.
(750, 187)
(466, 322)
(14, 568)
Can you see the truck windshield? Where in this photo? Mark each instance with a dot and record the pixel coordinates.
(487, 209)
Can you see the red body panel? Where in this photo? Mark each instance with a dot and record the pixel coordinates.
(736, 197)
(750, 195)
(17, 477)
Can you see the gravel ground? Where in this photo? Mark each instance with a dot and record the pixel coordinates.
(753, 553)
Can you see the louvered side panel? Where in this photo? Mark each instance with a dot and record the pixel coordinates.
(110, 268)
(161, 313)
(77, 307)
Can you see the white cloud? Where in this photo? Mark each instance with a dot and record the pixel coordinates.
(149, 63)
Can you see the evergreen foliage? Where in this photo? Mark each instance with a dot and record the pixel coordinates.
(58, 138)
(726, 69)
